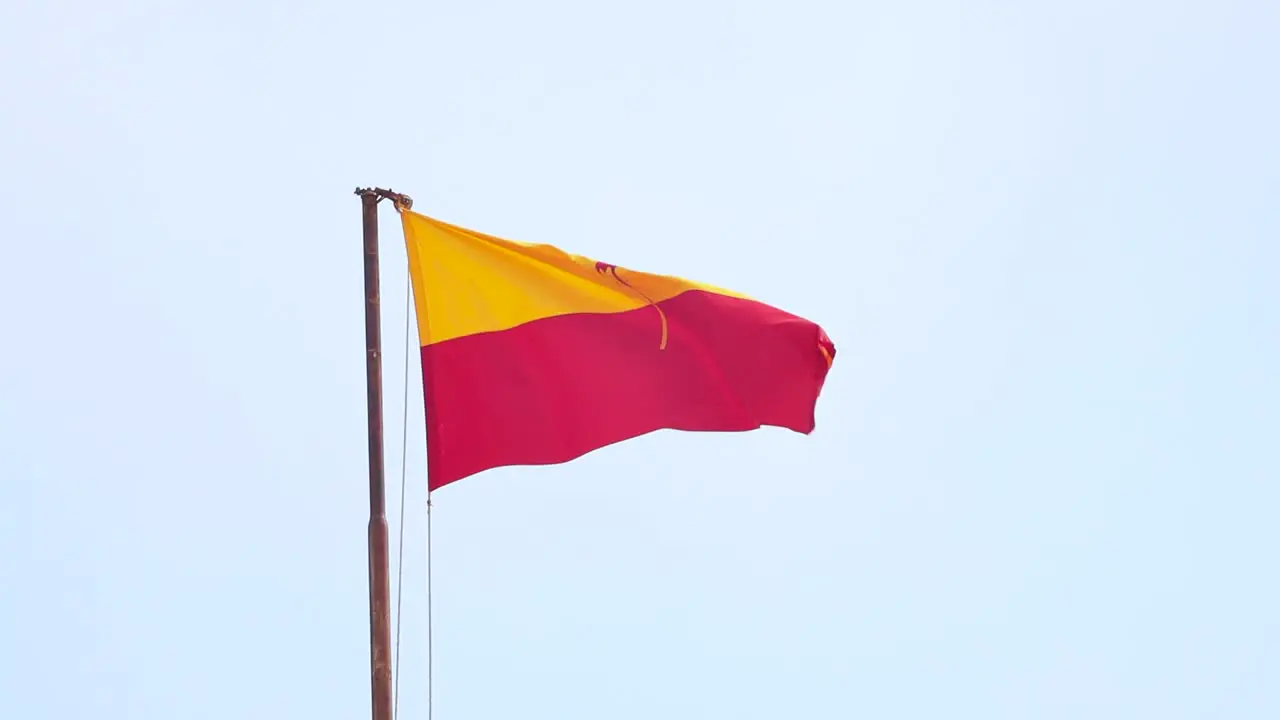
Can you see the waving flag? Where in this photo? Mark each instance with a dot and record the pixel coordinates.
(533, 356)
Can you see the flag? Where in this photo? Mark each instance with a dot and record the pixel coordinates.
(533, 356)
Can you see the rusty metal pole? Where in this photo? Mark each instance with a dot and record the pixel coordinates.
(379, 580)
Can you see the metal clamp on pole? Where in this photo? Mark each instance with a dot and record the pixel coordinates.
(400, 200)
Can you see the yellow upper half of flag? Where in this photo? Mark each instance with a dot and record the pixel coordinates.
(465, 282)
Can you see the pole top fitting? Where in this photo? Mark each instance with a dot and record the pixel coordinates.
(400, 200)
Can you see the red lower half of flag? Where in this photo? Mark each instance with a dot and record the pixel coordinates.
(555, 389)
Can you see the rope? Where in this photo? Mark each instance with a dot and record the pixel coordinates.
(404, 450)
(430, 630)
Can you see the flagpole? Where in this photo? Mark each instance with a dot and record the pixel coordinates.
(379, 576)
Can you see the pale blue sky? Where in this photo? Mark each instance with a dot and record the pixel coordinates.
(1044, 237)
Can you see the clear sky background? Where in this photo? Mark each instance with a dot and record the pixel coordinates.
(1044, 237)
